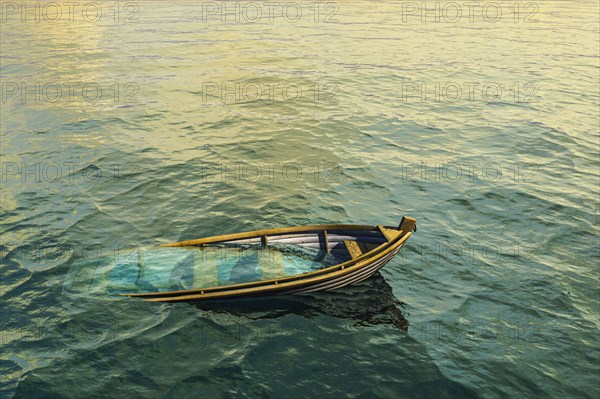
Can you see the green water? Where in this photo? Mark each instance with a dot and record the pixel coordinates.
(162, 122)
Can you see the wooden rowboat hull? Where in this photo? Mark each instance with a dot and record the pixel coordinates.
(362, 251)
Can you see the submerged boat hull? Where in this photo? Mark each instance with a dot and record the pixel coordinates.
(363, 250)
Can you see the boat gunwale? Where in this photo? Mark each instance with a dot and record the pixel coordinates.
(341, 268)
(268, 232)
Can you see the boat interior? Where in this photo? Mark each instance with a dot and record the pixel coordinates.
(342, 242)
(232, 259)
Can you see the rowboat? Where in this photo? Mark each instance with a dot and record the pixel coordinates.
(281, 261)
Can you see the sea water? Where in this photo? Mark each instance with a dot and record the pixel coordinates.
(154, 122)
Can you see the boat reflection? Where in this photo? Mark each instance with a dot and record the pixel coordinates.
(371, 302)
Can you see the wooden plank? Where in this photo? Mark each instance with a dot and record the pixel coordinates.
(257, 233)
(271, 264)
(205, 268)
(353, 249)
(326, 240)
(389, 234)
(331, 239)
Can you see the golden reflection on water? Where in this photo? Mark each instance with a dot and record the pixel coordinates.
(172, 92)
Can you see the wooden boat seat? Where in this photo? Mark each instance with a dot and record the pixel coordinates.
(389, 234)
(353, 249)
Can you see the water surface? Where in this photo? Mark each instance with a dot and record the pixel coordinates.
(170, 126)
